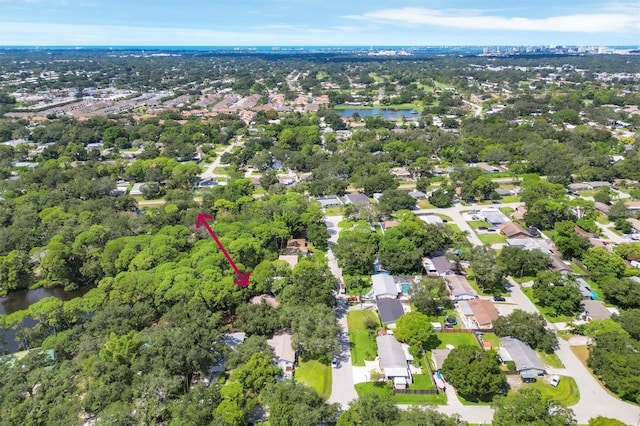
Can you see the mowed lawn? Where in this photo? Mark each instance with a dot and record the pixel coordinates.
(565, 393)
(456, 339)
(315, 375)
(363, 345)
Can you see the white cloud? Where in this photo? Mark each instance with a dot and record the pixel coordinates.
(580, 23)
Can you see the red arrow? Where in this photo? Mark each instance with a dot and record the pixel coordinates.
(243, 278)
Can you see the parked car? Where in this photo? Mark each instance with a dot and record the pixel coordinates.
(499, 299)
(335, 363)
(554, 380)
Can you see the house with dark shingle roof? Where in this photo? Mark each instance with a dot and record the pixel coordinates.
(357, 198)
(390, 310)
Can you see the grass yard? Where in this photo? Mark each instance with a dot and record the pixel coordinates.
(334, 211)
(444, 217)
(492, 238)
(220, 170)
(425, 204)
(507, 210)
(456, 339)
(475, 224)
(565, 393)
(363, 346)
(346, 224)
(386, 392)
(422, 381)
(551, 360)
(511, 199)
(315, 375)
(491, 338)
(454, 227)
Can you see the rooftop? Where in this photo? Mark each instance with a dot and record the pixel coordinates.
(281, 345)
(522, 354)
(390, 310)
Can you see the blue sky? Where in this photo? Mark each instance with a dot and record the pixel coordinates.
(319, 22)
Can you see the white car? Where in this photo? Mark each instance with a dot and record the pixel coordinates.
(554, 380)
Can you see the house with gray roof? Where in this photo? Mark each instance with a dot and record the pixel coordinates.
(357, 198)
(527, 362)
(390, 310)
(459, 287)
(595, 310)
(384, 287)
(393, 361)
(329, 201)
(437, 265)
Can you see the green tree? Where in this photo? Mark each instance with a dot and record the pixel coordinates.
(315, 331)
(530, 328)
(393, 200)
(618, 210)
(357, 249)
(256, 373)
(558, 292)
(415, 329)
(291, 403)
(630, 321)
(430, 295)
(601, 263)
(474, 372)
(487, 272)
(527, 406)
(520, 262)
(441, 198)
(370, 409)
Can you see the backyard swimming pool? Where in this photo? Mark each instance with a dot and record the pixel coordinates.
(405, 288)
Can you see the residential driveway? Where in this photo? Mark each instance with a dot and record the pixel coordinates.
(610, 235)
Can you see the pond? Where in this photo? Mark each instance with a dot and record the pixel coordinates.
(22, 299)
(389, 114)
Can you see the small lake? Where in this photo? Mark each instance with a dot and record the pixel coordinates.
(389, 114)
(22, 299)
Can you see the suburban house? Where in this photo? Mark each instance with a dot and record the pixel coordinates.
(594, 310)
(437, 266)
(284, 355)
(479, 313)
(357, 198)
(384, 287)
(393, 360)
(494, 216)
(329, 201)
(531, 244)
(432, 219)
(602, 207)
(632, 205)
(459, 288)
(527, 362)
(418, 195)
(389, 310)
(297, 246)
(291, 259)
(513, 230)
(635, 223)
(402, 173)
(232, 340)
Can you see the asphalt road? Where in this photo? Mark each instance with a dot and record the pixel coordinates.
(342, 389)
(209, 172)
(594, 399)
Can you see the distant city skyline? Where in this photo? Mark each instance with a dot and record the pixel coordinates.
(318, 23)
